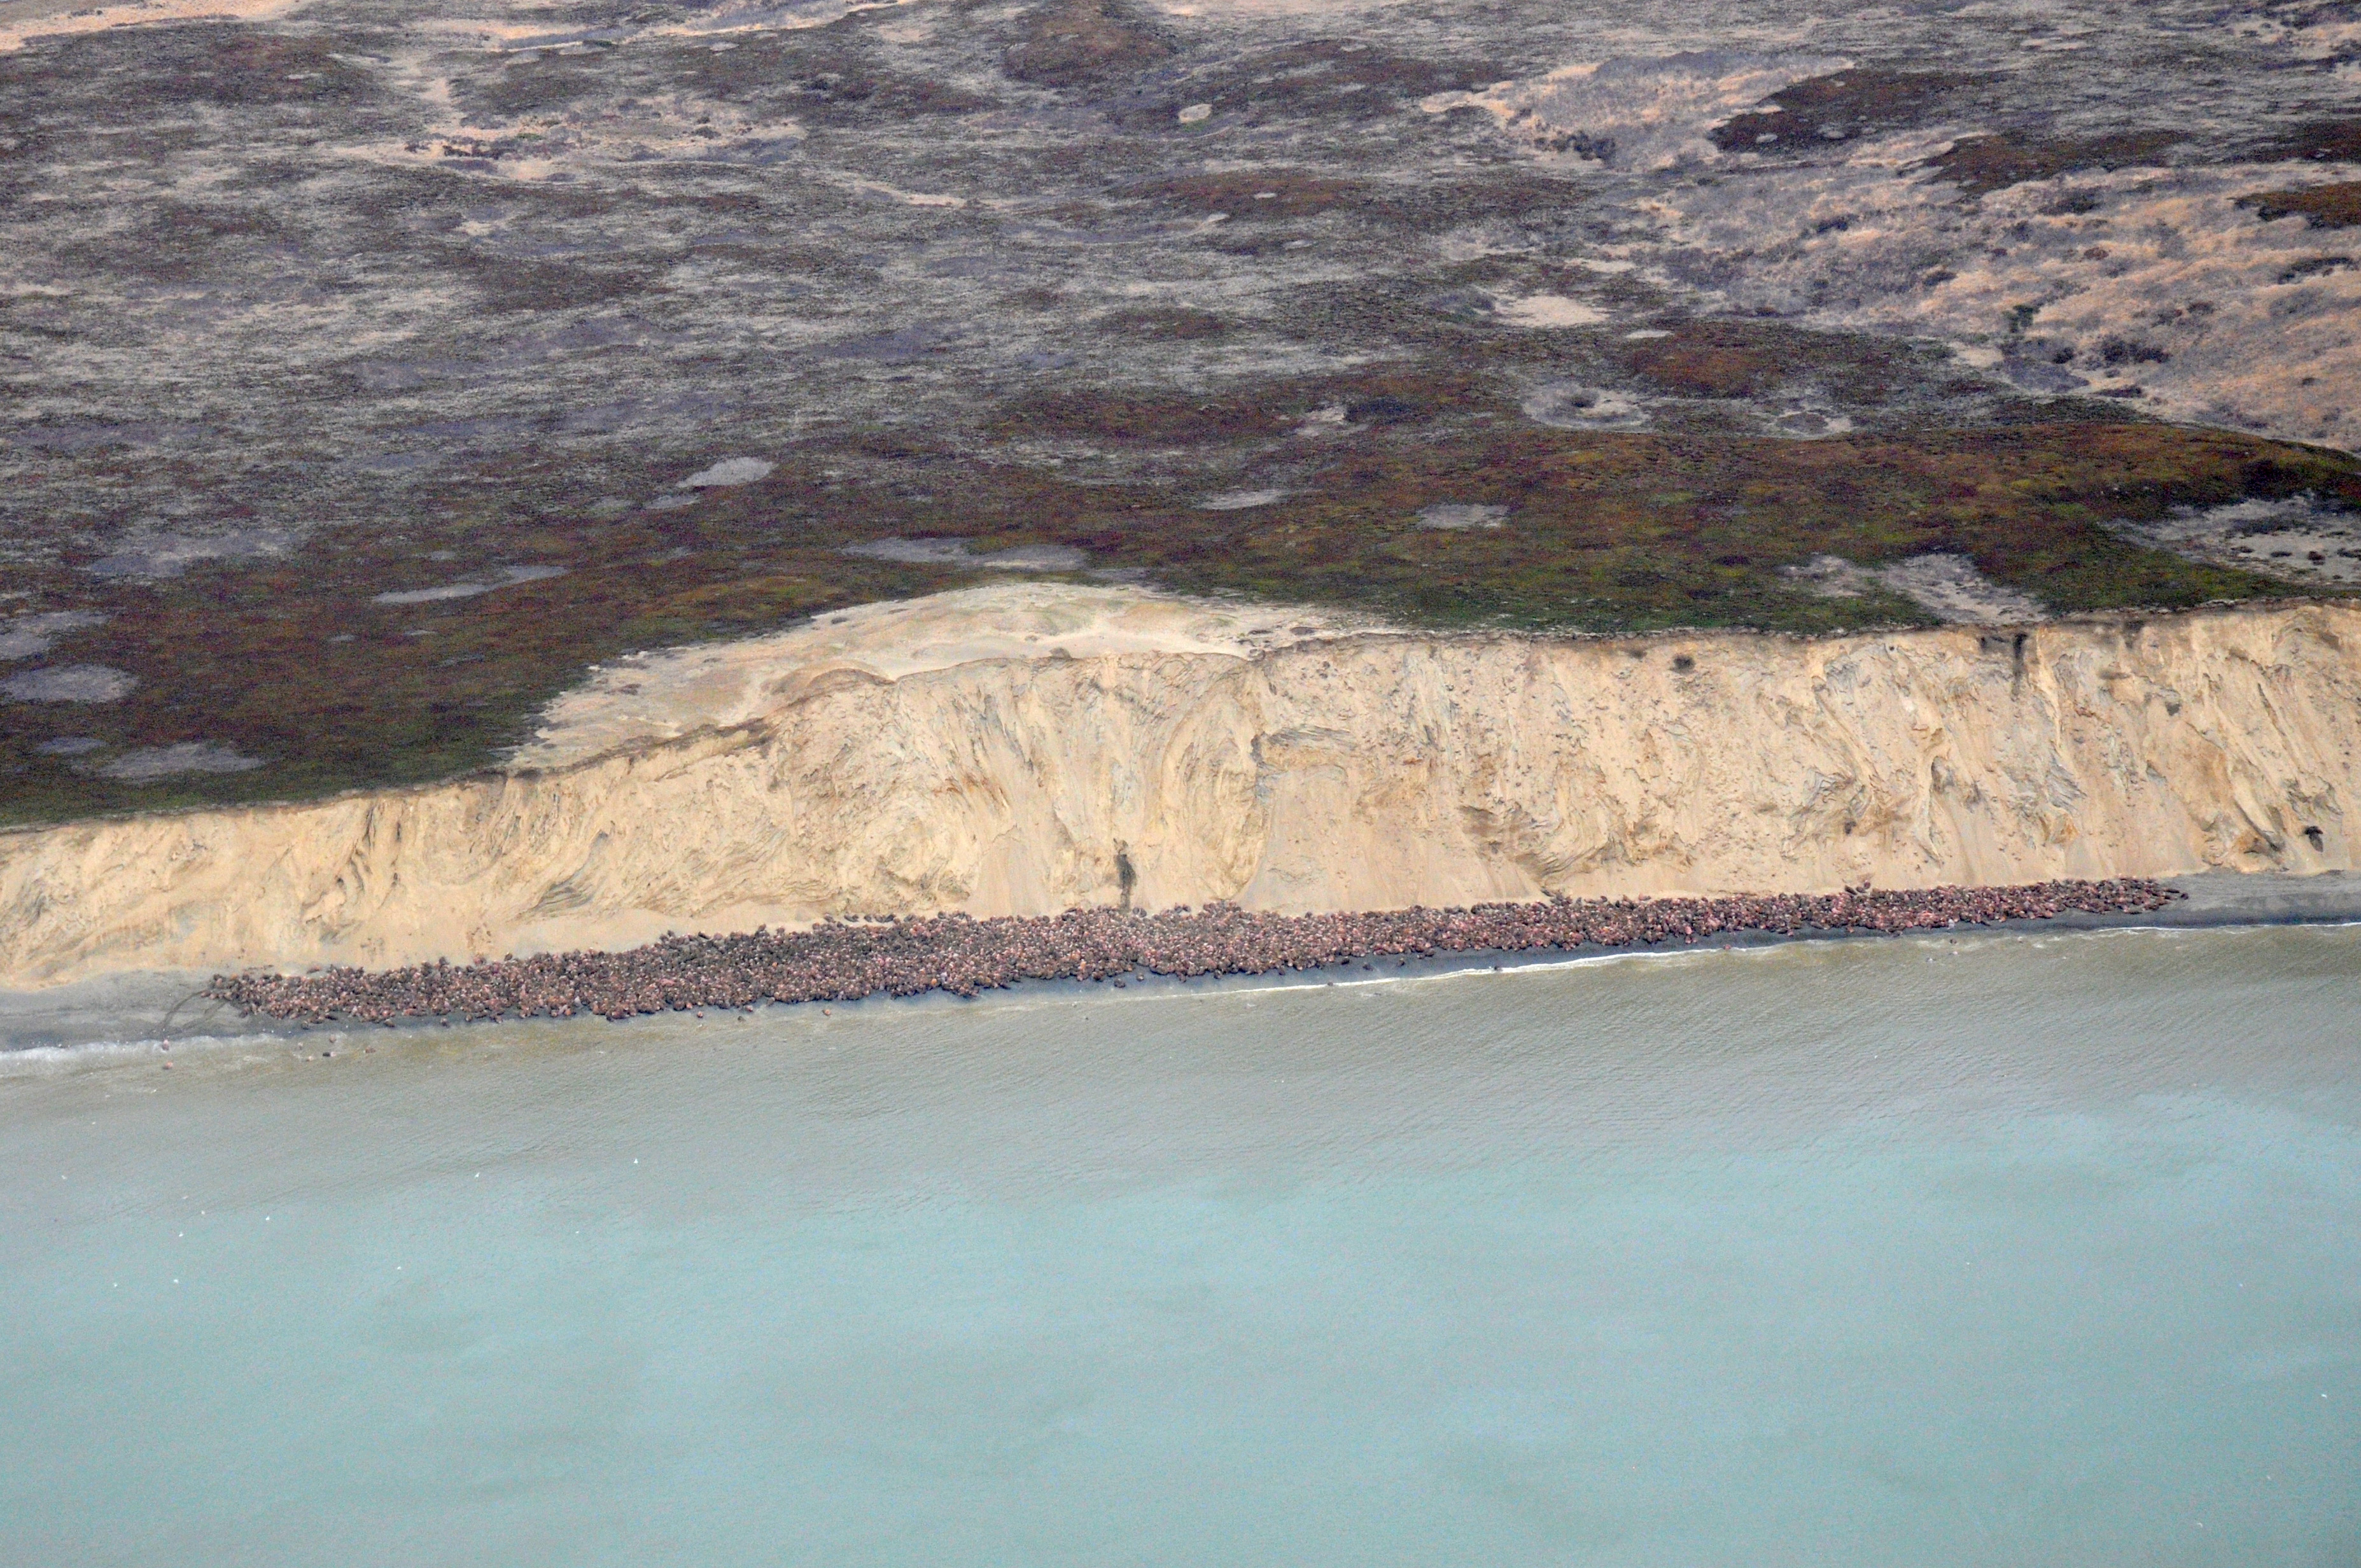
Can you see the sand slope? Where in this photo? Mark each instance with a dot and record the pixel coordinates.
(912, 758)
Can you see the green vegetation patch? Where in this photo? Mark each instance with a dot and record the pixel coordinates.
(1073, 43)
(2332, 140)
(1617, 533)
(300, 664)
(2321, 206)
(1986, 163)
(305, 665)
(1841, 106)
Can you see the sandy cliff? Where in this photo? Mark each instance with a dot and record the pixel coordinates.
(1029, 748)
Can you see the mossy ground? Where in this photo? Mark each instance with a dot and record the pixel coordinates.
(2336, 206)
(342, 305)
(296, 661)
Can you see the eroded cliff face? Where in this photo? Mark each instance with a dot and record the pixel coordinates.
(1354, 770)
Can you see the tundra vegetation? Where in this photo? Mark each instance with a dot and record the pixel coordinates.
(373, 372)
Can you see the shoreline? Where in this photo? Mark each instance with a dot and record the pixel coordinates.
(845, 961)
(152, 1012)
(910, 769)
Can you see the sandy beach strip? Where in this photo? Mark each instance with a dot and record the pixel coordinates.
(847, 961)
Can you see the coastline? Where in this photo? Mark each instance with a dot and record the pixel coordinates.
(136, 1014)
(1161, 756)
(849, 961)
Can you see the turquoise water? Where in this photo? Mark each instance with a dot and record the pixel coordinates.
(2000, 1250)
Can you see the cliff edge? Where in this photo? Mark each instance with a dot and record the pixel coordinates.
(1025, 749)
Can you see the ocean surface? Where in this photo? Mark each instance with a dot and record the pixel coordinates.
(1996, 1249)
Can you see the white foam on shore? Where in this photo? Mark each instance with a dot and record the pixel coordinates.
(47, 1060)
(2238, 904)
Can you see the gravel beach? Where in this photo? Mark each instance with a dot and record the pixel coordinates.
(846, 961)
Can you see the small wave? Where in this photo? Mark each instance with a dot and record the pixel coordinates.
(42, 1060)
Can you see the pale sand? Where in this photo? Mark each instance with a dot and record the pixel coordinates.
(660, 696)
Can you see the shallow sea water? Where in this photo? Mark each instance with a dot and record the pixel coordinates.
(2000, 1249)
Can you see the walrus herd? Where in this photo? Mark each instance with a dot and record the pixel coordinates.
(843, 960)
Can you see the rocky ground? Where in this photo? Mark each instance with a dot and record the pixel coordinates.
(372, 370)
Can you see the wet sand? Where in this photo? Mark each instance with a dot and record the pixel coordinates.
(847, 961)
